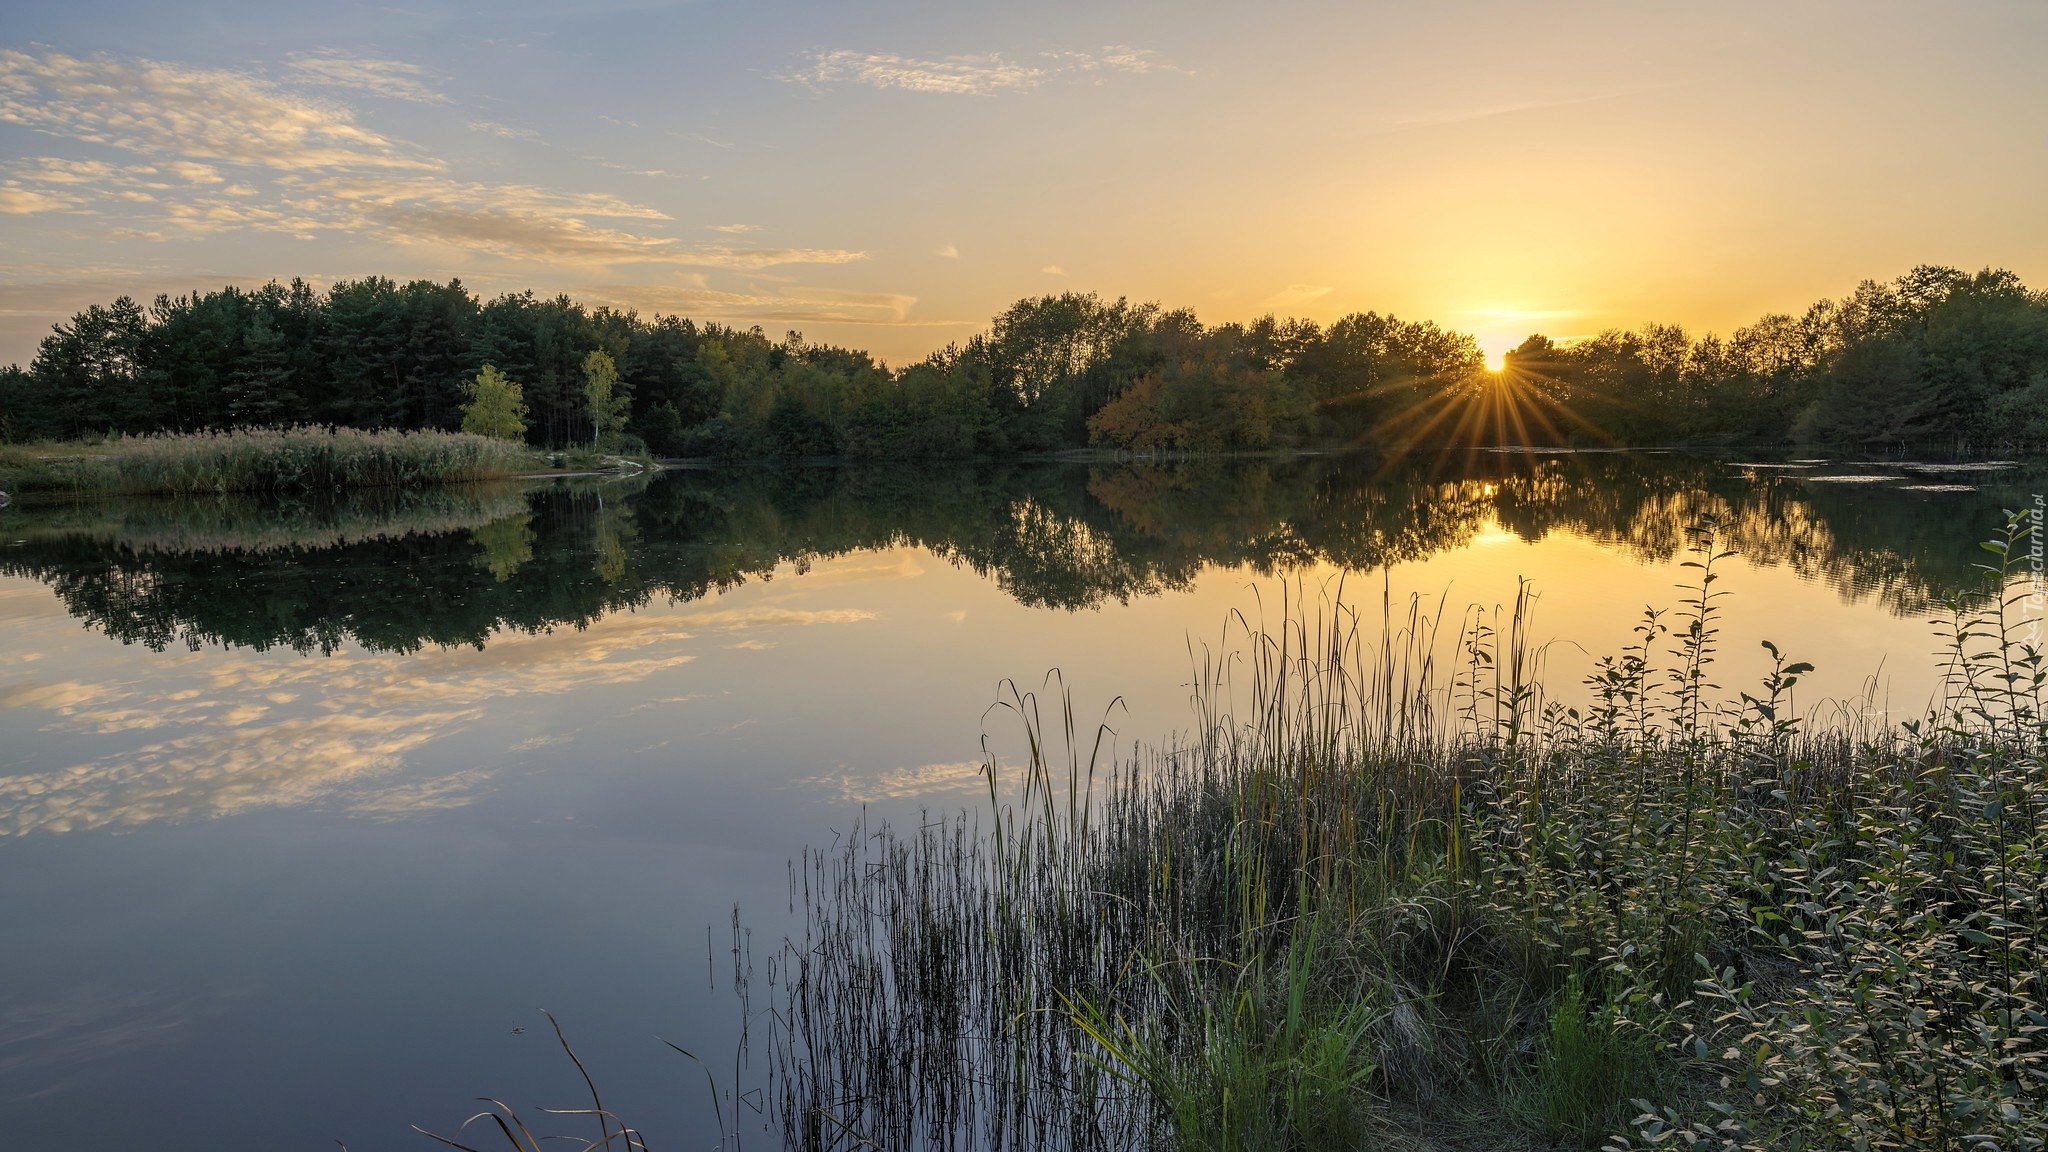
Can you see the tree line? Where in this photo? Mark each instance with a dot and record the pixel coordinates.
(1935, 359)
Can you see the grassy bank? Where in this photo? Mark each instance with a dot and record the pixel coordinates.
(1381, 901)
(297, 460)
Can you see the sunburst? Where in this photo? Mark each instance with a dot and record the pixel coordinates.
(1514, 406)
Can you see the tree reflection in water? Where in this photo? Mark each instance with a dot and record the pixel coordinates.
(399, 571)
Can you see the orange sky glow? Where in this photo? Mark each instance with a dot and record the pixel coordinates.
(890, 178)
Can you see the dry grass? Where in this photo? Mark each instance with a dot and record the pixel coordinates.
(294, 460)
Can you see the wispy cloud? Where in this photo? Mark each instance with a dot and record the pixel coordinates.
(735, 229)
(502, 131)
(782, 303)
(967, 75)
(958, 75)
(393, 79)
(949, 252)
(1115, 58)
(204, 114)
(214, 151)
(513, 221)
(372, 192)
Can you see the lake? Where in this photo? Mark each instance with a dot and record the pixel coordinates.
(306, 809)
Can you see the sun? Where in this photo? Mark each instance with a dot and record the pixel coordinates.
(1496, 362)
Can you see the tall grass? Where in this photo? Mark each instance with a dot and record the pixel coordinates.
(294, 460)
(1378, 887)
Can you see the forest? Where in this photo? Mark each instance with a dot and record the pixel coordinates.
(1936, 360)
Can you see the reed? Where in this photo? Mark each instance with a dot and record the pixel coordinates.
(1377, 886)
(289, 460)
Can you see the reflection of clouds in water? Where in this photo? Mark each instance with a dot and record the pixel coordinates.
(450, 791)
(41, 1042)
(927, 780)
(367, 713)
(901, 564)
(58, 696)
(215, 773)
(545, 740)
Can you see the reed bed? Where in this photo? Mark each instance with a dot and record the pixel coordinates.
(290, 460)
(1383, 896)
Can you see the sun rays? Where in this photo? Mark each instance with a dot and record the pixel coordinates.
(1513, 406)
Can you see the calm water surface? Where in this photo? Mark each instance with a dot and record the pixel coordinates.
(305, 810)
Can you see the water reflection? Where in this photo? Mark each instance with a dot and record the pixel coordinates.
(240, 735)
(395, 574)
(396, 761)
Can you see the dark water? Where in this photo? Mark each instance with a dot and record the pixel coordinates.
(306, 809)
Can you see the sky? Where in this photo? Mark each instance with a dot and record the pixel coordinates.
(889, 176)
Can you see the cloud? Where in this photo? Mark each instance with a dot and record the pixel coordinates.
(967, 75)
(780, 303)
(503, 131)
(1295, 295)
(18, 201)
(1053, 270)
(1116, 58)
(393, 79)
(154, 108)
(217, 151)
(194, 173)
(370, 193)
(735, 229)
(515, 221)
(958, 75)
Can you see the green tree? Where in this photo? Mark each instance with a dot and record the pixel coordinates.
(496, 408)
(607, 411)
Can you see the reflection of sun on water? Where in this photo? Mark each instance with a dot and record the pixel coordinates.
(1493, 533)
